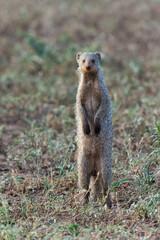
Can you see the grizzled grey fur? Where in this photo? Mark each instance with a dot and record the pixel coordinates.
(94, 128)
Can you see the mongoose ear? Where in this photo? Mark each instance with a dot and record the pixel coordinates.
(78, 56)
(98, 55)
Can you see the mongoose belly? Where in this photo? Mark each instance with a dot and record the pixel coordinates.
(91, 105)
(93, 144)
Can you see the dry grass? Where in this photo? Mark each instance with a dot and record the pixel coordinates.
(39, 198)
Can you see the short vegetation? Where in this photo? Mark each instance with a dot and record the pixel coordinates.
(39, 196)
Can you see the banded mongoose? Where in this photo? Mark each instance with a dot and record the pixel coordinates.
(94, 128)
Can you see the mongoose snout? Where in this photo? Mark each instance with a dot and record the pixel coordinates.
(88, 68)
(94, 128)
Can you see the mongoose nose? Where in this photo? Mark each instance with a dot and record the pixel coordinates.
(88, 68)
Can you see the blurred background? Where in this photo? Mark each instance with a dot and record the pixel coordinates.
(40, 39)
(38, 83)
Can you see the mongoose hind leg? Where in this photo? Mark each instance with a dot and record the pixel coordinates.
(95, 185)
(84, 175)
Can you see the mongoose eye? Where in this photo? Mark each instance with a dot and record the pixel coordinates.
(93, 60)
(83, 61)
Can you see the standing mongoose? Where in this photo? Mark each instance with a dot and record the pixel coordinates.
(94, 128)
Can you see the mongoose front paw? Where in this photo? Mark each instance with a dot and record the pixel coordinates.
(97, 129)
(87, 130)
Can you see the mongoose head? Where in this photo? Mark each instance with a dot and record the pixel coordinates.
(88, 61)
